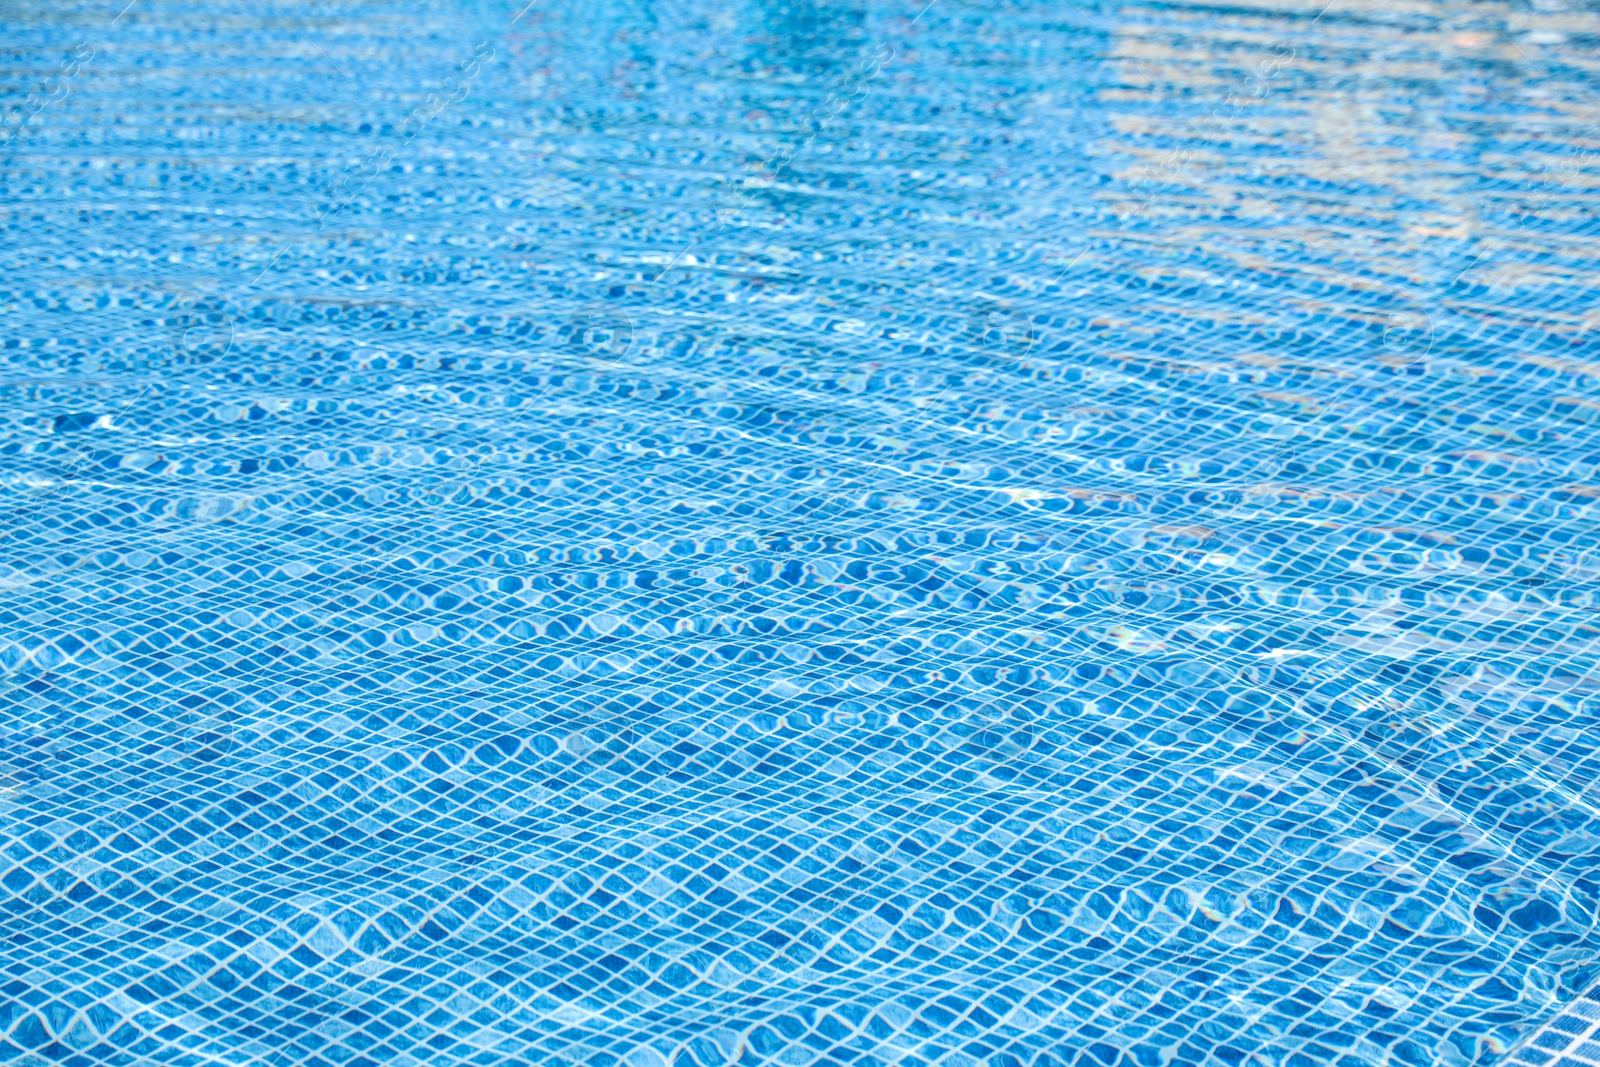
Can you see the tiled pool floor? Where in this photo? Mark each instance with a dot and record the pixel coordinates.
(1571, 1039)
(782, 533)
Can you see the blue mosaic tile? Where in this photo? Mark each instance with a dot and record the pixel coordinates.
(792, 533)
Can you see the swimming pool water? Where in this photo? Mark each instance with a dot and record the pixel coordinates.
(791, 533)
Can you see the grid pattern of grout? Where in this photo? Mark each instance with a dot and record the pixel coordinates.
(1571, 1039)
(964, 606)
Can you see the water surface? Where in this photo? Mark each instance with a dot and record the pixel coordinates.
(663, 533)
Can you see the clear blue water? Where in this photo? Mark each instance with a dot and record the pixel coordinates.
(780, 534)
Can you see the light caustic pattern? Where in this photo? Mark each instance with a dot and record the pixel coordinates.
(671, 533)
